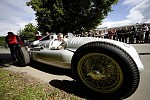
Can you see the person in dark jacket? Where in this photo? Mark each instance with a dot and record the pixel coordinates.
(13, 41)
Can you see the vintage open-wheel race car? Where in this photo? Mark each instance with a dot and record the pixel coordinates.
(107, 68)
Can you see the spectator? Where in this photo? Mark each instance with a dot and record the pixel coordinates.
(141, 36)
(115, 34)
(102, 34)
(138, 35)
(13, 41)
(121, 35)
(131, 35)
(110, 34)
(146, 33)
(106, 34)
(126, 34)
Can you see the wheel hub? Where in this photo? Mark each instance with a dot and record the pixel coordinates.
(96, 75)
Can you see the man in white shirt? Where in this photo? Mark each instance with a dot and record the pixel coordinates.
(59, 43)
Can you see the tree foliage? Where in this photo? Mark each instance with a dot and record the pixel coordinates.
(2, 40)
(28, 33)
(70, 15)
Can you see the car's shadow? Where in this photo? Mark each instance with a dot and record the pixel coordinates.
(73, 87)
(69, 86)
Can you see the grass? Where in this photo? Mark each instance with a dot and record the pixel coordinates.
(20, 86)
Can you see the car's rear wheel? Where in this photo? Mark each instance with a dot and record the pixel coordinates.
(22, 56)
(105, 69)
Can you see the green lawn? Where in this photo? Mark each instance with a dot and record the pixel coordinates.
(20, 86)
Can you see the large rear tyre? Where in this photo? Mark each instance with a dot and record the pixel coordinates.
(106, 70)
(22, 56)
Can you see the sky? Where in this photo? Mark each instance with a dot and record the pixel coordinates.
(14, 14)
(128, 12)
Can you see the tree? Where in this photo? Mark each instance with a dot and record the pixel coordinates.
(2, 41)
(70, 15)
(28, 33)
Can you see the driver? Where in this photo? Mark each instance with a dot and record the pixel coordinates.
(59, 43)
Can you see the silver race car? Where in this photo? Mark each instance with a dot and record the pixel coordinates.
(105, 67)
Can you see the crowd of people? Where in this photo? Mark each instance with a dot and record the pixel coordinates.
(125, 34)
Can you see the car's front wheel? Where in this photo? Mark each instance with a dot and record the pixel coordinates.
(106, 70)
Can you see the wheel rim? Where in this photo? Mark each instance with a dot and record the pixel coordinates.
(100, 72)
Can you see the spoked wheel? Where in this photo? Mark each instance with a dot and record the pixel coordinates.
(100, 72)
(22, 56)
(106, 70)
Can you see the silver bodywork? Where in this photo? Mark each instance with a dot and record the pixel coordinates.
(42, 52)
